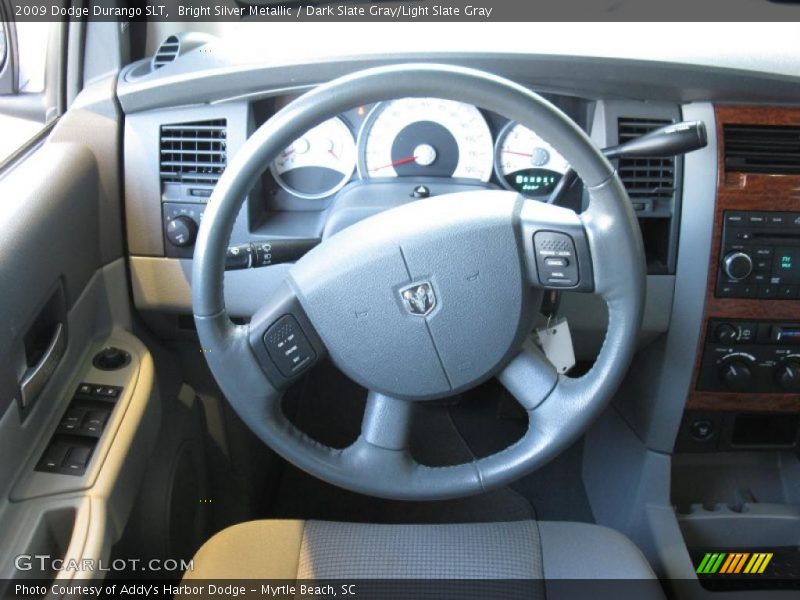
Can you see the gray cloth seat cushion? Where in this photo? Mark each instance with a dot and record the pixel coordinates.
(509, 551)
(465, 551)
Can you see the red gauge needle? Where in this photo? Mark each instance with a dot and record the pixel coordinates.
(518, 153)
(401, 161)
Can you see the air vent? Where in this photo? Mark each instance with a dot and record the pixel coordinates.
(762, 149)
(193, 152)
(645, 177)
(167, 52)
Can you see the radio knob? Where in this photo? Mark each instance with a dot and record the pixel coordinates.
(726, 332)
(736, 374)
(737, 265)
(788, 376)
(182, 231)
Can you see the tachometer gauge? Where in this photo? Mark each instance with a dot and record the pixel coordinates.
(527, 164)
(319, 163)
(425, 137)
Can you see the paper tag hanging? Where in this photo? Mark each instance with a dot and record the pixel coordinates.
(556, 343)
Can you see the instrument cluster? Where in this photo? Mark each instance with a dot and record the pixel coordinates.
(418, 137)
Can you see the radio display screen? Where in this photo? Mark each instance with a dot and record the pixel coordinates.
(786, 264)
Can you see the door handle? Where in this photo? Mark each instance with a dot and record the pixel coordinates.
(38, 375)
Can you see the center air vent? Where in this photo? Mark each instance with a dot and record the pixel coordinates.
(762, 149)
(167, 52)
(645, 177)
(193, 152)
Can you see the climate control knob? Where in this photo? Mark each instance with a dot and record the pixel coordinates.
(736, 374)
(788, 376)
(182, 231)
(737, 265)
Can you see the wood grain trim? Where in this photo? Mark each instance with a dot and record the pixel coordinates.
(755, 192)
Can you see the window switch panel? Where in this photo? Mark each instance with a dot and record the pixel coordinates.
(79, 430)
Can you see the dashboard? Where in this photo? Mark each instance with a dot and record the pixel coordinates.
(417, 137)
(186, 122)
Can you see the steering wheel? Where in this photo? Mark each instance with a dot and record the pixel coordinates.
(425, 300)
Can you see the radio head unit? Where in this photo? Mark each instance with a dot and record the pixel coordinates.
(760, 256)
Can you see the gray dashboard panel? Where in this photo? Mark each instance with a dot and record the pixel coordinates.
(142, 183)
(186, 82)
(165, 284)
(94, 119)
(653, 397)
(34, 196)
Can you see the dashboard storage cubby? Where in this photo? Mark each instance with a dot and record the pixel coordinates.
(73, 444)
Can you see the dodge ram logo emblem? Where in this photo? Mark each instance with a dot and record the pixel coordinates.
(418, 298)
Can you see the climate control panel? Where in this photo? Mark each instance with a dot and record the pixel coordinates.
(751, 357)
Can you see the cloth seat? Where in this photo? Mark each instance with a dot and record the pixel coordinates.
(548, 552)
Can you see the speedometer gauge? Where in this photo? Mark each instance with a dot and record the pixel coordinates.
(319, 163)
(427, 137)
(527, 164)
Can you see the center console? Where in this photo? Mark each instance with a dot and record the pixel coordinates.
(735, 468)
(748, 361)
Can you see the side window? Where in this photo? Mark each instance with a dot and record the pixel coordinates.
(27, 63)
(2, 44)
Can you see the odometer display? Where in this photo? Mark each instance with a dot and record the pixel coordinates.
(533, 181)
(525, 163)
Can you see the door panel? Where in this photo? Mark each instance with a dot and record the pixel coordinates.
(49, 249)
(64, 296)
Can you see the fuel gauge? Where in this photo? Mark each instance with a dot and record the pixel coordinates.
(525, 163)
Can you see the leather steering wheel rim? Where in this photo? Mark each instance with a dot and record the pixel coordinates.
(559, 408)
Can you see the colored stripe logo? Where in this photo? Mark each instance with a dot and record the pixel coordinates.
(734, 563)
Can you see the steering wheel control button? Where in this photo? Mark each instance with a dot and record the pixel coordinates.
(555, 259)
(288, 347)
(556, 262)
